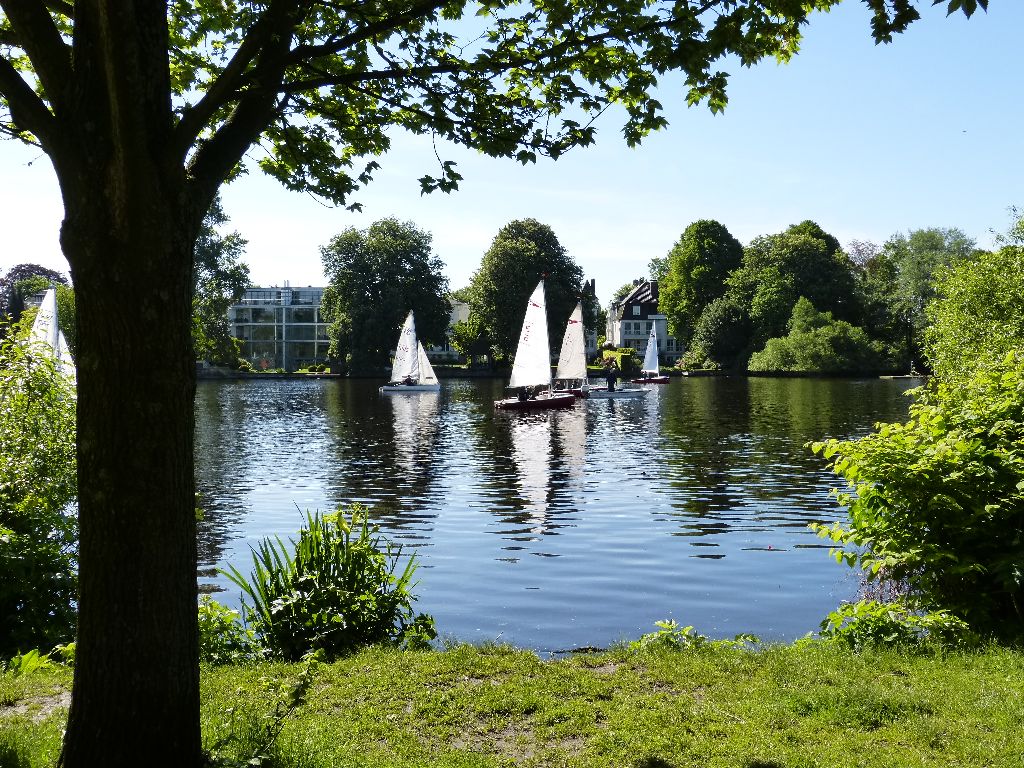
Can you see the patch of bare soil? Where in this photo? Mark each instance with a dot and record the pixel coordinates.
(38, 708)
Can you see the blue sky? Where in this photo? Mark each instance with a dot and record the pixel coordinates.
(866, 140)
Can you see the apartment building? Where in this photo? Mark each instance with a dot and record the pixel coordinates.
(280, 327)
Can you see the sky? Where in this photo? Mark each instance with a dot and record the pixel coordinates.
(866, 140)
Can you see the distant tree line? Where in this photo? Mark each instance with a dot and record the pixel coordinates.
(377, 275)
(796, 301)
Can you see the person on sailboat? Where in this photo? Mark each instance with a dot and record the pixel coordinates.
(611, 373)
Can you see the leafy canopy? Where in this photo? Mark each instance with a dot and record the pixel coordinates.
(219, 280)
(323, 82)
(375, 277)
(695, 273)
(523, 252)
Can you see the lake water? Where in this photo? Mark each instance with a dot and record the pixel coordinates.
(553, 530)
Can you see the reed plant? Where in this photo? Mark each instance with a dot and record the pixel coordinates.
(340, 589)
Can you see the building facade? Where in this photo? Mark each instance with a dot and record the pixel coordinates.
(280, 327)
(630, 321)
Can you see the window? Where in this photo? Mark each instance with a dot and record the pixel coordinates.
(636, 310)
(647, 327)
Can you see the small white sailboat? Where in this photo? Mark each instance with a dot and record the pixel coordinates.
(532, 366)
(571, 373)
(649, 370)
(412, 371)
(45, 331)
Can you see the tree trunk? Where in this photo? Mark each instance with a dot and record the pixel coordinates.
(136, 687)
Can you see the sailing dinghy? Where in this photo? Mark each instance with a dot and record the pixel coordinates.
(412, 371)
(571, 373)
(649, 371)
(532, 366)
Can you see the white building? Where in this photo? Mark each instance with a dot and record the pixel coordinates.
(630, 321)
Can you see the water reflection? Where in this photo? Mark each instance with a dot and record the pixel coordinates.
(549, 530)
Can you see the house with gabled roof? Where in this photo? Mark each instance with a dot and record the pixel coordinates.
(631, 318)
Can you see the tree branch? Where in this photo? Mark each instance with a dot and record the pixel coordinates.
(308, 52)
(214, 159)
(39, 38)
(225, 87)
(28, 112)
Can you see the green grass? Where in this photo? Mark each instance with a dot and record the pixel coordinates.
(783, 707)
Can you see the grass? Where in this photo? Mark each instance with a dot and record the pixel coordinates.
(814, 704)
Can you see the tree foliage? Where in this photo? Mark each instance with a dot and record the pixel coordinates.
(938, 502)
(523, 252)
(978, 315)
(375, 277)
(821, 344)
(914, 261)
(220, 280)
(38, 488)
(695, 274)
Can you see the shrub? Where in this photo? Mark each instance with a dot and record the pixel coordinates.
(817, 343)
(38, 489)
(939, 501)
(222, 638)
(244, 365)
(869, 623)
(337, 592)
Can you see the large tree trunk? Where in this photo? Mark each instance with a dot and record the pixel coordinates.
(136, 688)
(128, 234)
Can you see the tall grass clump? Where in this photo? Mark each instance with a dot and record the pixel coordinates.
(340, 589)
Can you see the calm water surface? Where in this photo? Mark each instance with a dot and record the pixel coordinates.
(553, 530)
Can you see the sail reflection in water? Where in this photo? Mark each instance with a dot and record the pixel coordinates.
(557, 529)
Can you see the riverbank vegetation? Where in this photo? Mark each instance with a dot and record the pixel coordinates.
(815, 703)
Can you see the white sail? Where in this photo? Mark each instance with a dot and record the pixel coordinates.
(532, 366)
(45, 330)
(406, 359)
(427, 375)
(651, 356)
(572, 362)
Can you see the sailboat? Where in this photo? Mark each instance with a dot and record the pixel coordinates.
(532, 366)
(47, 332)
(412, 371)
(572, 365)
(649, 371)
(571, 372)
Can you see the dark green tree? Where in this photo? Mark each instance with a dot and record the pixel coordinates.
(375, 276)
(697, 267)
(778, 269)
(19, 274)
(146, 108)
(522, 253)
(818, 343)
(220, 280)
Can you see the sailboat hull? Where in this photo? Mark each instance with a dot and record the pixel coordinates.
(616, 394)
(652, 380)
(411, 388)
(541, 402)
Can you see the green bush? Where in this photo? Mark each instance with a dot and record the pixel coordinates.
(244, 365)
(869, 623)
(939, 500)
(38, 489)
(222, 638)
(817, 343)
(337, 592)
